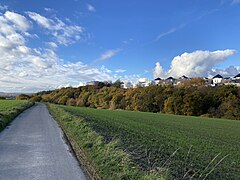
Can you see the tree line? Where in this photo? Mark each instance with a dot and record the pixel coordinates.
(191, 98)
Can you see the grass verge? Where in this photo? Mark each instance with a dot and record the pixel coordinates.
(100, 159)
(10, 109)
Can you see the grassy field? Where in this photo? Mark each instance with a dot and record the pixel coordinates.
(9, 109)
(100, 159)
(189, 147)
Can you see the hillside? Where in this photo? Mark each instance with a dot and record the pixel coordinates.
(191, 100)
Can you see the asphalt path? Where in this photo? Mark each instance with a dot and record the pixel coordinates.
(33, 148)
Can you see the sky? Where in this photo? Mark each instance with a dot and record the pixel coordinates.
(47, 44)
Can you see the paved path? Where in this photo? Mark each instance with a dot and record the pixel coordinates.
(32, 148)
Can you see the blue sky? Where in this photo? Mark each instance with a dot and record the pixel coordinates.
(62, 43)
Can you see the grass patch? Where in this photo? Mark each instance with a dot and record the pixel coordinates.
(189, 147)
(102, 160)
(10, 109)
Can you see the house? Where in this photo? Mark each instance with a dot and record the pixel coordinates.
(170, 81)
(237, 76)
(181, 80)
(157, 81)
(183, 77)
(127, 84)
(143, 82)
(217, 79)
(236, 80)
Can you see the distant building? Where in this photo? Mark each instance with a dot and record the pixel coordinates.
(237, 76)
(183, 77)
(217, 79)
(208, 82)
(170, 81)
(181, 80)
(157, 81)
(127, 84)
(143, 82)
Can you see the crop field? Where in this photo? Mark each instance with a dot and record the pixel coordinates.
(187, 147)
(9, 109)
(6, 105)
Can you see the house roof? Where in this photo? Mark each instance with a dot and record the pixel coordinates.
(217, 76)
(183, 77)
(170, 78)
(157, 79)
(237, 76)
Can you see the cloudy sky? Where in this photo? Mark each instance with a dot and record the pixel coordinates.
(47, 44)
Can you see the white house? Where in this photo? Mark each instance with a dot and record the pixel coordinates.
(143, 82)
(183, 77)
(217, 79)
(127, 84)
(157, 81)
(237, 76)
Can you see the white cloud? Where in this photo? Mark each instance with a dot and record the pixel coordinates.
(17, 20)
(120, 70)
(50, 10)
(52, 45)
(128, 41)
(26, 69)
(41, 20)
(166, 33)
(170, 31)
(23, 74)
(3, 7)
(158, 71)
(231, 71)
(63, 33)
(108, 54)
(195, 64)
(91, 8)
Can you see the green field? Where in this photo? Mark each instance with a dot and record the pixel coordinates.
(9, 109)
(189, 147)
(6, 105)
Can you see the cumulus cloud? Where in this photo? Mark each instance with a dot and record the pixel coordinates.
(158, 71)
(195, 64)
(27, 69)
(63, 33)
(91, 8)
(229, 71)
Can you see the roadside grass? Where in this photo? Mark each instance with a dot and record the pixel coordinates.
(10, 109)
(188, 147)
(100, 159)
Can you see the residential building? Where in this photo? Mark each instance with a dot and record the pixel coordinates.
(157, 81)
(127, 84)
(217, 79)
(237, 76)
